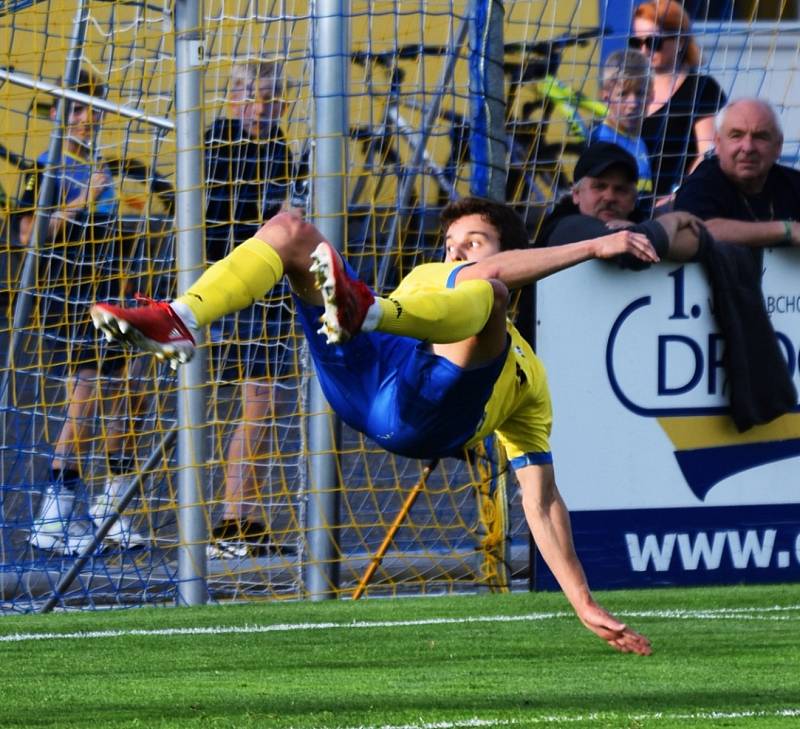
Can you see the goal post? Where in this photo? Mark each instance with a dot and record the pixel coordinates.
(373, 134)
(178, 496)
(192, 404)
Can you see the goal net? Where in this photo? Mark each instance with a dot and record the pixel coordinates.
(82, 421)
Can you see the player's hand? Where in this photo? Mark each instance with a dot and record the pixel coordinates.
(618, 635)
(625, 241)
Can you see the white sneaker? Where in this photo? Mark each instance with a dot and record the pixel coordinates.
(122, 533)
(50, 529)
(80, 536)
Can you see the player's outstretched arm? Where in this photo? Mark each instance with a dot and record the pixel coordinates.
(549, 523)
(522, 267)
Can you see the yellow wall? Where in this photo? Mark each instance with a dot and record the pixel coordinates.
(136, 58)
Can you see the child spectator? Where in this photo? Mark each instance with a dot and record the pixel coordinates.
(626, 89)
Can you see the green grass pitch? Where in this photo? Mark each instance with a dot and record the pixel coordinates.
(723, 657)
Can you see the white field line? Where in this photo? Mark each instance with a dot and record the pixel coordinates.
(753, 613)
(586, 718)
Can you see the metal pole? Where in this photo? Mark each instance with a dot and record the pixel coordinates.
(393, 238)
(330, 74)
(41, 222)
(129, 112)
(189, 220)
(487, 100)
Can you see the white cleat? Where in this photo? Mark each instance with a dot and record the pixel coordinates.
(346, 300)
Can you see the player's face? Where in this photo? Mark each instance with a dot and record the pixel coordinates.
(748, 144)
(471, 238)
(612, 196)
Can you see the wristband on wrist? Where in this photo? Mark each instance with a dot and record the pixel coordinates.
(787, 231)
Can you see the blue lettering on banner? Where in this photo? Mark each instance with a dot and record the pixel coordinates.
(702, 373)
(686, 546)
(783, 304)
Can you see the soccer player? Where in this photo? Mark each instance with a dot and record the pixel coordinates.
(425, 372)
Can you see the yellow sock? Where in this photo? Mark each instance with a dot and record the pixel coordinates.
(244, 276)
(437, 315)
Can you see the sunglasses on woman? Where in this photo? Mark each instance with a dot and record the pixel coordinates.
(653, 43)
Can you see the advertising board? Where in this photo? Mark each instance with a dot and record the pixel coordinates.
(661, 486)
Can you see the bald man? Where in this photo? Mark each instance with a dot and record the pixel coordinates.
(742, 192)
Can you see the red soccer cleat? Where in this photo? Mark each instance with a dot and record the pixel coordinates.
(152, 327)
(346, 299)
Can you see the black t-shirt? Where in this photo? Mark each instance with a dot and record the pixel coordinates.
(669, 132)
(247, 182)
(708, 193)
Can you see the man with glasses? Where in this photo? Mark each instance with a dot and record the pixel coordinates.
(251, 174)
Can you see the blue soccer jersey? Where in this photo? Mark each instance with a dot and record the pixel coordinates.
(72, 179)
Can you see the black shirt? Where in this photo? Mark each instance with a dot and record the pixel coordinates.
(247, 182)
(669, 132)
(761, 387)
(708, 193)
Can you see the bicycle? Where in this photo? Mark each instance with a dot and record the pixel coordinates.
(536, 173)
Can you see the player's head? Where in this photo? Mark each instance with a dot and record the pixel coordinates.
(82, 118)
(748, 141)
(256, 96)
(625, 87)
(605, 182)
(475, 228)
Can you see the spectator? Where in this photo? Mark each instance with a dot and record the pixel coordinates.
(679, 125)
(746, 198)
(604, 198)
(250, 176)
(625, 87)
(81, 259)
(742, 192)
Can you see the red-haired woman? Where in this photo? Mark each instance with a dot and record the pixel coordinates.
(679, 124)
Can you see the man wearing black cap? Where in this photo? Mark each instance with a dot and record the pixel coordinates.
(603, 199)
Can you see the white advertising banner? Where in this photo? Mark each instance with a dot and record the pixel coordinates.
(641, 422)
